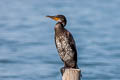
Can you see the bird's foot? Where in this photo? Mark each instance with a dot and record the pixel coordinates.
(62, 70)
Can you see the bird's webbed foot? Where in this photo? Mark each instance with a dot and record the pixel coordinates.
(62, 70)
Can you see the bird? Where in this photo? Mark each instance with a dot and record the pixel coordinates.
(65, 43)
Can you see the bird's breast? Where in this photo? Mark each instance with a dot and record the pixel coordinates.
(64, 48)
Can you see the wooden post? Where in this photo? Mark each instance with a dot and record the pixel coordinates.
(72, 74)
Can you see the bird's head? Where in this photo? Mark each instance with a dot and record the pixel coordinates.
(59, 18)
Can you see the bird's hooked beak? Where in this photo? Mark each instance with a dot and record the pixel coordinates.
(54, 18)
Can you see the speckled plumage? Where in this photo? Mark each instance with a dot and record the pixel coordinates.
(65, 45)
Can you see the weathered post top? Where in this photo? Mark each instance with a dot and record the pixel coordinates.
(72, 74)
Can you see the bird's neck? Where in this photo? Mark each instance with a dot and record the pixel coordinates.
(59, 28)
(64, 23)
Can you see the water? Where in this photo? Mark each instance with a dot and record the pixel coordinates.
(27, 49)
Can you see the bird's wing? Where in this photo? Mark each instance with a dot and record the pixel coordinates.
(72, 44)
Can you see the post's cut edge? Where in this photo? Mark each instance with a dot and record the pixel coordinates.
(73, 69)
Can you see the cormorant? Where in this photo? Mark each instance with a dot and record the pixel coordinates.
(65, 43)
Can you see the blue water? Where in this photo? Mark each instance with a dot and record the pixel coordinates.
(27, 49)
